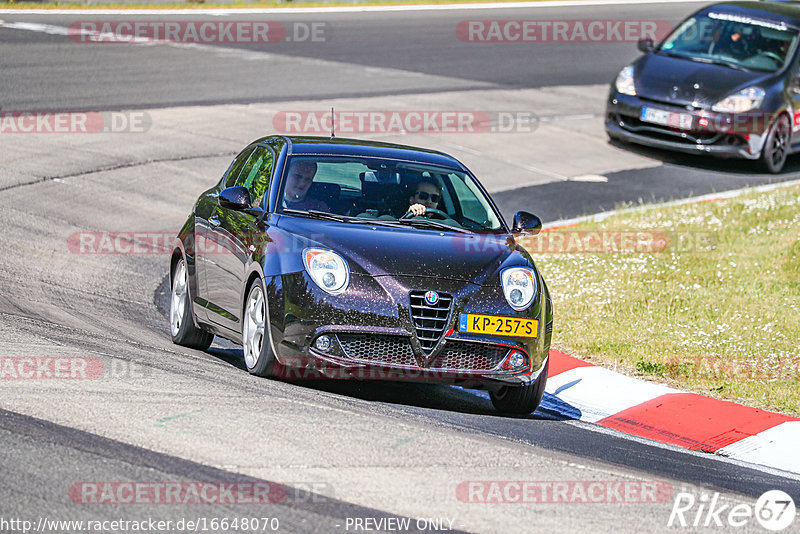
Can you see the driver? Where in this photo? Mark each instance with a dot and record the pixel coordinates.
(426, 195)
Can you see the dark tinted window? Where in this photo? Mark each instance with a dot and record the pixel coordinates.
(256, 173)
(236, 167)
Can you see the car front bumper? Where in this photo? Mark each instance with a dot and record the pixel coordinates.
(379, 341)
(691, 131)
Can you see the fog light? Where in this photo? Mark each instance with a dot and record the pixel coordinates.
(324, 343)
(515, 360)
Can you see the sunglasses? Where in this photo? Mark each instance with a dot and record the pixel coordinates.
(424, 195)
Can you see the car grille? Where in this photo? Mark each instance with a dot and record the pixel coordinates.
(396, 351)
(429, 320)
(387, 350)
(472, 356)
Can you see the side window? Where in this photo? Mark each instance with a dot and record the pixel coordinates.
(256, 173)
(236, 167)
(471, 207)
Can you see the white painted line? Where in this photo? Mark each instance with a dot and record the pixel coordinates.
(221, 51)
(702, 198)
(547, 173)
(339, 9)
(41, 28)
(598, 393)
(776, 447)
(584, 116)
(591, 178)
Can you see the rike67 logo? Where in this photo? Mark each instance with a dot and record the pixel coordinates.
(774, 510)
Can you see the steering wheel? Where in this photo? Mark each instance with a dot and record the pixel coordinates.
(773, 56)
(437, 214)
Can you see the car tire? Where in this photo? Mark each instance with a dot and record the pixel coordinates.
(521, 400)
(258, 356)
(776, 146)
(181, 321)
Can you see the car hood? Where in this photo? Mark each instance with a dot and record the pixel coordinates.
(685, 82)
(381, 250)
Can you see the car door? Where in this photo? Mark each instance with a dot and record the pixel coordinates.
(235, 235)
(205, 247)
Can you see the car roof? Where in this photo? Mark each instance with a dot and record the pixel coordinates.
(308, 146)
(771, 10)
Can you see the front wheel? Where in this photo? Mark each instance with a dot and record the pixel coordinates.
(181, 324)
(258, 355)
(521, 399)
(776, 147)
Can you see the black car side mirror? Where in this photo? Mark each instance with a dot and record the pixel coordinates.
(526, 223)
(645, 45)
(235, 198)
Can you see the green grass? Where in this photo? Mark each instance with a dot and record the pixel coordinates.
(719, 317)
(203, 4)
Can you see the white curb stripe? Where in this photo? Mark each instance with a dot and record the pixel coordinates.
(338, 9)
(597, 393)
(775, 447)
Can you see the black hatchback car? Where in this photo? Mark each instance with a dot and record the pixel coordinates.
(725, 82)
(344, 258)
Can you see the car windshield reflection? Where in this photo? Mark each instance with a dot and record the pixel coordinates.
(386, 192)
(733, 40)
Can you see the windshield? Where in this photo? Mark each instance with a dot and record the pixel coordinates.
(737, 41)
(381, 191)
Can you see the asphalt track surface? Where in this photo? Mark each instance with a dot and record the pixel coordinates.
(367, 449)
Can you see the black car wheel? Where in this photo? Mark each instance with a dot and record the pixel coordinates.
(521, 399)
(258, 355)
(776, 147)
(181, 324)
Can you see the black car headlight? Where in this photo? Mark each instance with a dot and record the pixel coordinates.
(328, 269)
(519, 286)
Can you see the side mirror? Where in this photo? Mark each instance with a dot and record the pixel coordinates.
(526, 223)
(645, 45)
(235, 198)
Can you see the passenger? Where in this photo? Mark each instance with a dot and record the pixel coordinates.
(298, 182)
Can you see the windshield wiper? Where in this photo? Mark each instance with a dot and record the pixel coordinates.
(324, 215)
(724, 63)
(707, 60)
(316, 214)
(673, 54)
(427, 223)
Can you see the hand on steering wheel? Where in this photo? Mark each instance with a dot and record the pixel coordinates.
(437, 214)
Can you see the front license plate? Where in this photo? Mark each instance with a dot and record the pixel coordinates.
(497, 326)
(666, 118)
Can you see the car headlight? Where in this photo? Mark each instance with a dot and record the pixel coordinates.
(744, 100)
(328, 270)
(519, 286)
(624, 81)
